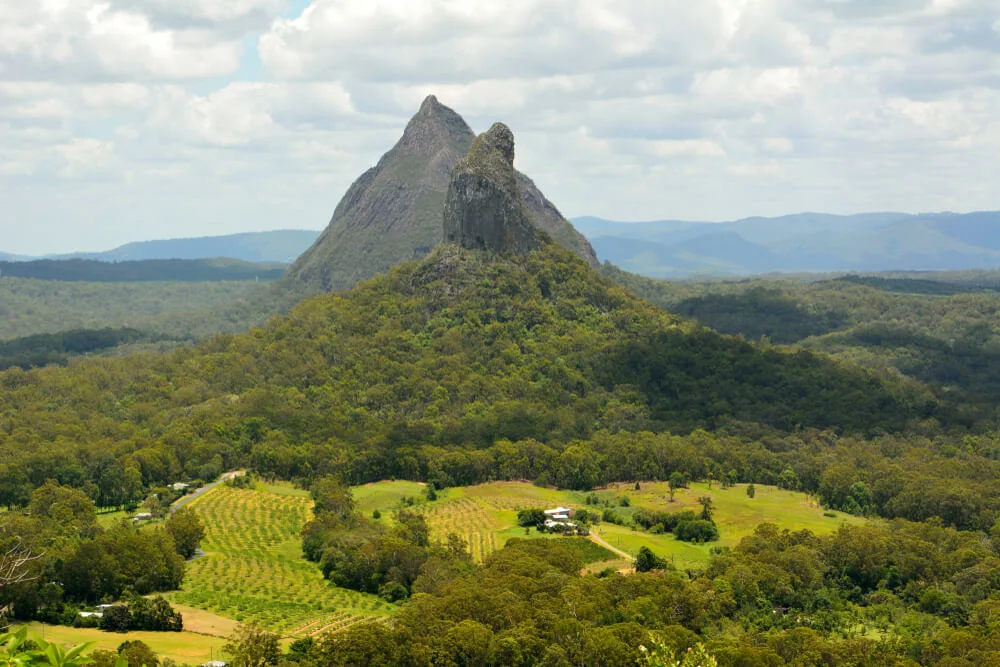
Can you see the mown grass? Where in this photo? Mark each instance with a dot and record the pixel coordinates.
(183, 647)
(486, 515)
(254, 570)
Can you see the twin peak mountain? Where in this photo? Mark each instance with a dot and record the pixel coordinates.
(440, 182)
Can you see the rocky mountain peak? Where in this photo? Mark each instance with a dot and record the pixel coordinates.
(392, 212)
(484, 208)
(435, 127)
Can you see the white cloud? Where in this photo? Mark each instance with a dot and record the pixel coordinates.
(145, 118)
(90, 40)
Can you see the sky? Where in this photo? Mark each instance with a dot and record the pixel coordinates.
(126, 120)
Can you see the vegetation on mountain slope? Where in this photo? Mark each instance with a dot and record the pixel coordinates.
(178, 310)
(940, 332)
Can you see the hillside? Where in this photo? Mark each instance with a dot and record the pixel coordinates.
(392, 213)
(937, 328)
(177, 309)
(454, 350)
(808, 242)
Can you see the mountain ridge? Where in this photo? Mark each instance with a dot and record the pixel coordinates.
(808, 242)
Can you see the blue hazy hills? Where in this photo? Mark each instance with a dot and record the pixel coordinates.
(806, 242)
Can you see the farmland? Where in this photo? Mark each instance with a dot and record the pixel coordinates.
(182, 647)
(254, 571)
(486, 515)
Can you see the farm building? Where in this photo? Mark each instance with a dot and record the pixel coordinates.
(560, 514)
(559, 519)
(142, 516)
(180, 486)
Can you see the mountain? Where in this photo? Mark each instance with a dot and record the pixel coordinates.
(274, 247)
(393, 212)
(807, 242)
(502, 335)
(7, 257)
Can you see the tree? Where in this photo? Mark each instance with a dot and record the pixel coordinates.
(788, 480)
(187, 530)
(116, 619)
(253, 646)
(15, 564)
(707, 508)
(138, 654)
(751, 490)
(646, 560)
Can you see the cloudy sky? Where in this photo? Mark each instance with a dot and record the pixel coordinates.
(124, 120)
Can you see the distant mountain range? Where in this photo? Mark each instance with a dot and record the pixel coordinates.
(275, 247)
(807, 242)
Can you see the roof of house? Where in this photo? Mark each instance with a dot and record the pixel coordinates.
(559, 510)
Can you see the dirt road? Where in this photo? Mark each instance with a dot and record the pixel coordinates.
(204, 489)
(594, 537)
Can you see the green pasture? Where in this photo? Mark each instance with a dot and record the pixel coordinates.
(187, 648)
(485, 515)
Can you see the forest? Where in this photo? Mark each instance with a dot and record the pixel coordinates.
(148, 270)
(464, 368)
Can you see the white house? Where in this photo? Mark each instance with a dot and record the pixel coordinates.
(560, 513)
(92, 614)
(215, 663)
(142, 516)
(179, 486)
(559, 517)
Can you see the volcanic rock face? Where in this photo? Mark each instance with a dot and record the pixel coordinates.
(483, 208)
(392, 213)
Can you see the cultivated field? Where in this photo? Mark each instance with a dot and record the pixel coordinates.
(254, 570)
(486, 515)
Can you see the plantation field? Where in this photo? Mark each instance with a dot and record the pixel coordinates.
(254, 570)
(486, 514)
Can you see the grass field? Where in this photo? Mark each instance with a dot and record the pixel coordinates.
(254, 570)
(486, 515)
(183, 647)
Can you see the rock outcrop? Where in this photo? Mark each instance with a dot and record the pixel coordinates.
(392, 213)
(484, 209)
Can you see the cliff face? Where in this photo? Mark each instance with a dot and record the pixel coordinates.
(483, 208)
(393, 212)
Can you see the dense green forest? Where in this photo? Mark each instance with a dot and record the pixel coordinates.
(942, 332)
(45, 349)
(173, 310)
(465, 368)
(149, 270)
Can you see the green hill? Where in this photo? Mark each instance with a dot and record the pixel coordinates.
(456, 350)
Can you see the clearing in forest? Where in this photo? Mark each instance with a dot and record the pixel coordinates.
(254, 571)
(485, 515)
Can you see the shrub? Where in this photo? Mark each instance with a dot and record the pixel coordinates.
(697, 530)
